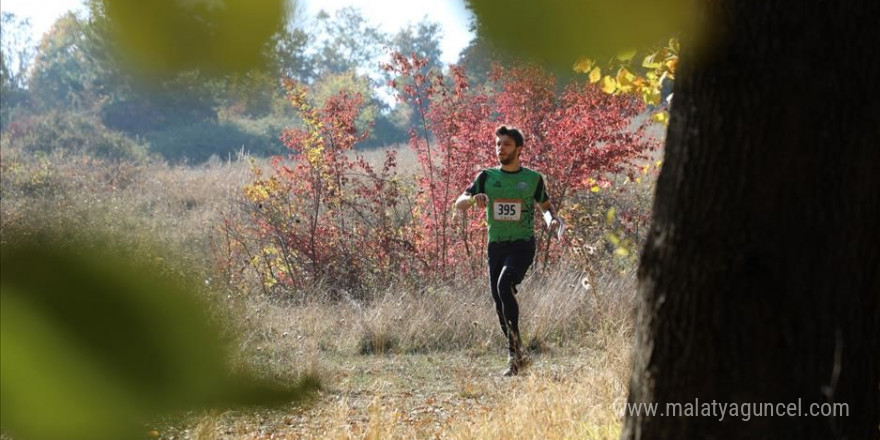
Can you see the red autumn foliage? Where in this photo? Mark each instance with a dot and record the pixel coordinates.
(576, 138)
(324, 215)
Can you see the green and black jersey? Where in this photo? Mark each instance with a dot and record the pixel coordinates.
(512, 198)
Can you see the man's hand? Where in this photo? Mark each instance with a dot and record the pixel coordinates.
(480, 200)
(465, 201)
(554, 224)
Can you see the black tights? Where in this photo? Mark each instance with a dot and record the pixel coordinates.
(508, 263)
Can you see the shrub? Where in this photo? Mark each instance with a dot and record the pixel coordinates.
(578, 138)
(197, 142)
(320, 216)
(74, 133)
(325, 216)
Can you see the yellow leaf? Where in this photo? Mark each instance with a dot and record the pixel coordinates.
(621, 252)
(626, 55)
(649, 63)
(661, 117)
(653, 98)
(609, 85)
(595, 75)
(625, 80)
(594, 188)
(609, 216)
(584, 65)
(658, 163)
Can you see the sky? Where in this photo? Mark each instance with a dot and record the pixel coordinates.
(389, 15)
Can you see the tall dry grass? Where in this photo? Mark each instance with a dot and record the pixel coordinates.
(559, 316)
(152, 209)
(426, 364)
(414, 361)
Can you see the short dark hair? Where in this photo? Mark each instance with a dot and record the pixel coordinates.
(513, 132)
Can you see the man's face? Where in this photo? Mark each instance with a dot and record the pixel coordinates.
(506, 149)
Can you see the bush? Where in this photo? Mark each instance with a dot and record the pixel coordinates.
(75, 133)
(321, 215)
(324, 216)
(197, 142)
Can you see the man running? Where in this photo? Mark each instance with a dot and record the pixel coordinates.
(509, 193)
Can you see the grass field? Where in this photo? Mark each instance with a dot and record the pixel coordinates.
(412, 362)
(456, 395)
(411, 367)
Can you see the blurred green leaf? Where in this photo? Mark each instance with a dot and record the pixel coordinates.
(164, 37)
(626, 55)
(92, 348)
(559, 32)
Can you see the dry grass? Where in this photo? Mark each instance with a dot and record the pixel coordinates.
(433, 369)
(154, 210)
(411, 363)
(444, 395)
(407, 162)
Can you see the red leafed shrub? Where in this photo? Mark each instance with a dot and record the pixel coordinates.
(459, 142)
(324, 216)
(577, 138)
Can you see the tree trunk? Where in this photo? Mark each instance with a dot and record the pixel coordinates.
(760, 279)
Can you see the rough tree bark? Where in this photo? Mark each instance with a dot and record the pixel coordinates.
(760, 279)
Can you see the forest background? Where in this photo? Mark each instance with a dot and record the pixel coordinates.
(310, 198)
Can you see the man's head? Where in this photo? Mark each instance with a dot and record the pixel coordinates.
(508, 144)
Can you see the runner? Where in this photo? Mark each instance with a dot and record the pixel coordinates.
(509, 193)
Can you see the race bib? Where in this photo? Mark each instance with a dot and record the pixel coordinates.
(507, 210)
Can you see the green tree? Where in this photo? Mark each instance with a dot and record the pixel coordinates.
(290, 54)
(16, 56)
(63, 75)
(479, 56)
(347, 42)
(186, 99)
(422, 39)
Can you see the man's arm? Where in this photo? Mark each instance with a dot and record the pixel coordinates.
(547, 206)
(543, 201)
(551, 220)
(466, 200)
